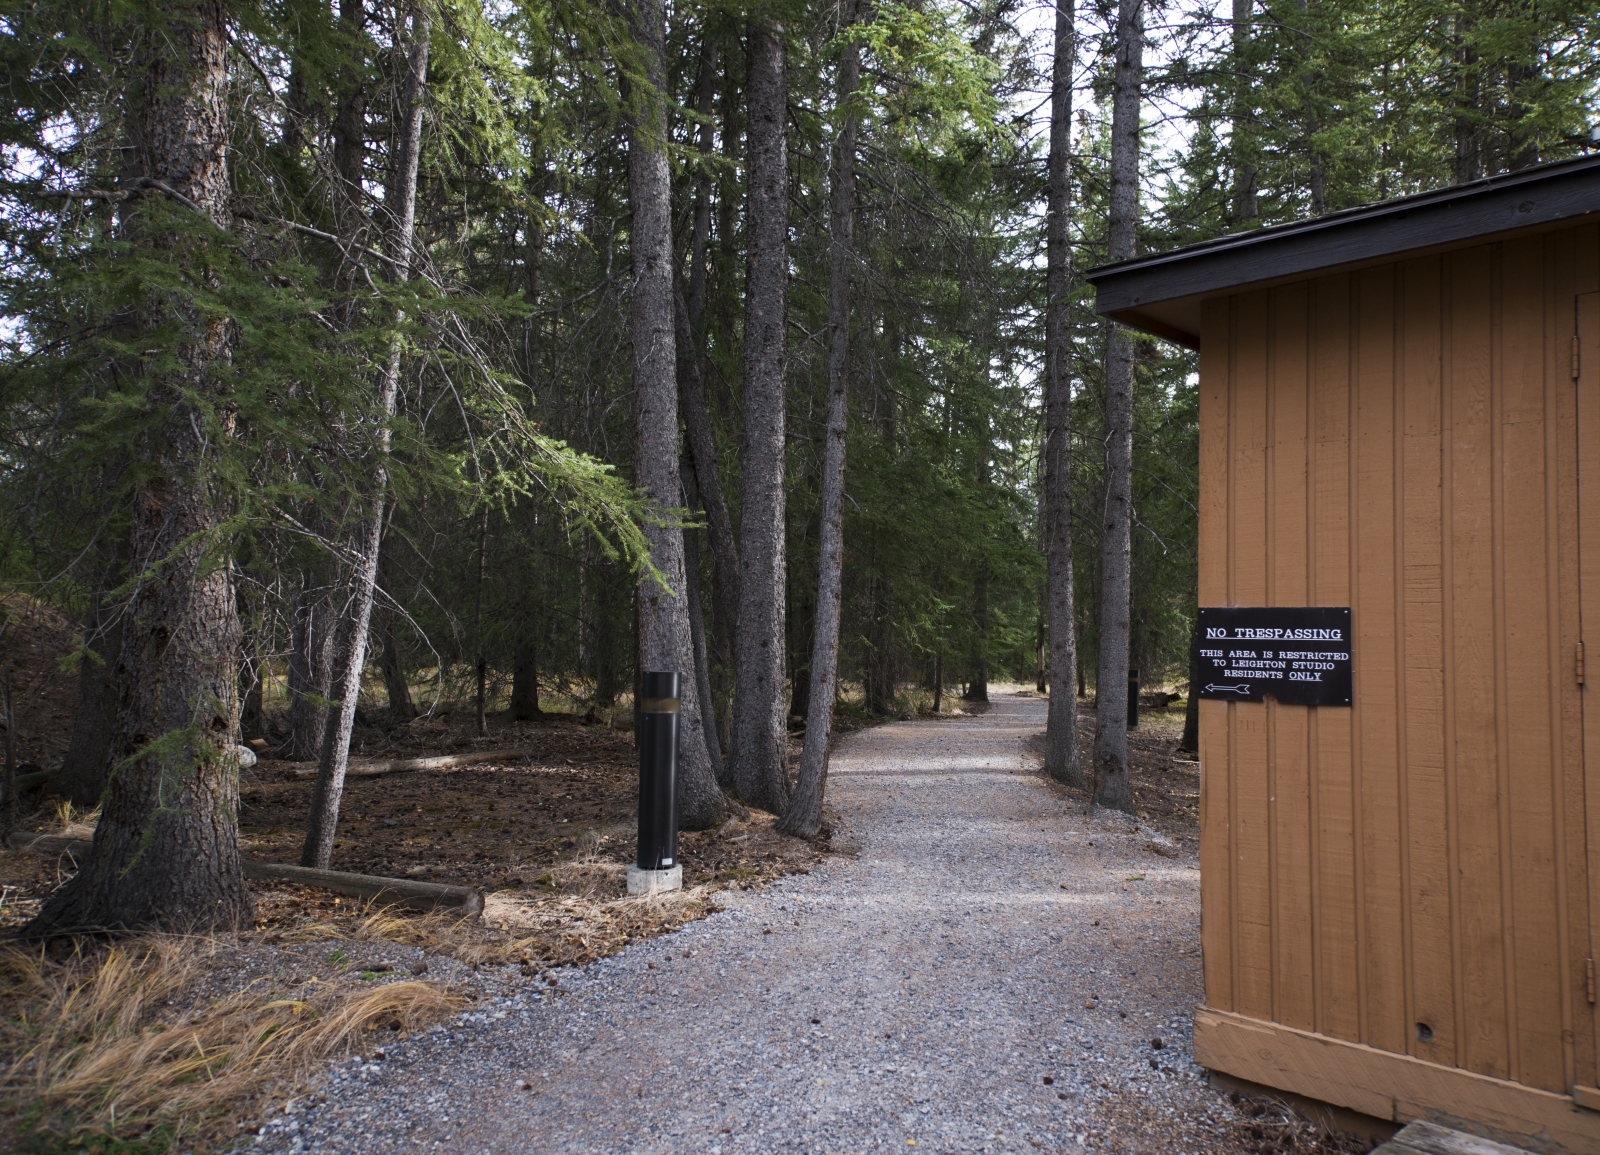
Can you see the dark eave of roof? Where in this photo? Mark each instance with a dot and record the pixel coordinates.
(1161, 294)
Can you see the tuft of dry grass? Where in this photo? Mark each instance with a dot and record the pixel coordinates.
(119, 1041)
(70, 822)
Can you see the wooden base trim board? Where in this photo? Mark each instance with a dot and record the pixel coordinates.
(1391, 1086)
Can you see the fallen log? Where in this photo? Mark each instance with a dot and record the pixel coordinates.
(377, 768)
(26, 782)
(465, 900)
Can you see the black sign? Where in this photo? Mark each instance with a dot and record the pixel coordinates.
(1300, 655)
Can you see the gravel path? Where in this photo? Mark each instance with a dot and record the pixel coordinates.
(988, 974)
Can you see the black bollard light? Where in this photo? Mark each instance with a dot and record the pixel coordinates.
(656, 866)
(1133, 698)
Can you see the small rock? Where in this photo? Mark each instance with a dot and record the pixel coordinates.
(1156, 1044)
(246, 756)
(419, 967)
(1048, 1079)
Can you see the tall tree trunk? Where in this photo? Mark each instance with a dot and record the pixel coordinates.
(87, 765)
(350, 119)
(760, 735)
(166, 851)
(1040, 650)
(395, 685)
(978, 656)
(1190, 742)
(1061, 742)
(313, 626)
(697, 629)
(525, 649)
(1316, 181)
(329, 790)
(1111, 785)
(481, 663)
(703, 453)
(1467, 112)
(1242, 145)
(938, 681)
(878, 676)
(804, 815)
(690, 315)
(13, 811)
(664, 638)
(252, 665)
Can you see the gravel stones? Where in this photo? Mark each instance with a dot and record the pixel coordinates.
(978, 978)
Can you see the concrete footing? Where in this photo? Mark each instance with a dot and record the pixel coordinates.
(654, 881)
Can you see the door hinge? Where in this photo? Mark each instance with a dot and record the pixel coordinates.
(1577, 662)
(1575, 361)
(1588, 981)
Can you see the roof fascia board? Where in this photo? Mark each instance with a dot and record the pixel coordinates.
(1384, 231)
(1179, 319)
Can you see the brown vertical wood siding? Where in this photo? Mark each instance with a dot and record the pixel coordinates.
(1411, 874)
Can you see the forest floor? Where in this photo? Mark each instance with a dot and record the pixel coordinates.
(546, 835)
(991, 969)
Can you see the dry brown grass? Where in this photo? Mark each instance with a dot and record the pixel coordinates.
(122, 1041)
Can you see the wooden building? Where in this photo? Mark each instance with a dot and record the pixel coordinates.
(1400, 414)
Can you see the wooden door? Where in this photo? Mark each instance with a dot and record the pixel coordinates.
(1586, 371)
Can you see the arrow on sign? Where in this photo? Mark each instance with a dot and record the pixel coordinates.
(1244, 689)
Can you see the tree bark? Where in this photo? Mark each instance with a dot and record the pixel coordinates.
(697, 630)
(525, 682)
(978, 655)
(395, 685)
(1111, 785)
(252, 665)
(760, 735)
(166, 853)
(84, 771)
(350, 125)
(1190, 742)
(1061, 742)
(481, 662)
(13, 811)
(1467, 112)
(703, 454)
(318, 850)
(804, 814)
(690, 315)
(664, 640)
(1242, 144)
(311, 659)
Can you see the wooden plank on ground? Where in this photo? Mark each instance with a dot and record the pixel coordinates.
(1389, 1085)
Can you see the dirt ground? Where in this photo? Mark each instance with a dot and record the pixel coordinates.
(1166, 782)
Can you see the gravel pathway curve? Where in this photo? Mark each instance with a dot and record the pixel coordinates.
(987, 974)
